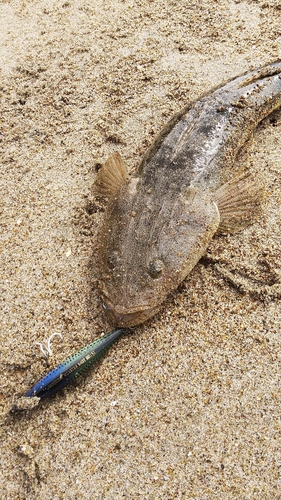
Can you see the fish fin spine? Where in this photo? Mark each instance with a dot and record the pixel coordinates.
(239, 203)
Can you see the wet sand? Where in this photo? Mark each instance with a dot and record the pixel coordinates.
(188, 405)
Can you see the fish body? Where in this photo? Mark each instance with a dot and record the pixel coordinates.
(159, 222)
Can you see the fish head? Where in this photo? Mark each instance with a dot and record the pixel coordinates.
(148, 245)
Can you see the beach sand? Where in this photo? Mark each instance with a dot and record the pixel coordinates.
(188, 404)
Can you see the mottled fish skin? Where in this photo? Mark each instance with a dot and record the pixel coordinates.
(160, 222)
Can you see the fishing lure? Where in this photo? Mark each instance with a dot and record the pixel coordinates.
(65, 373)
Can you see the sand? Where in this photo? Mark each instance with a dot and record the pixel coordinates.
(187, 405)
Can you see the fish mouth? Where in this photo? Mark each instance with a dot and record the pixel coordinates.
(127, 320)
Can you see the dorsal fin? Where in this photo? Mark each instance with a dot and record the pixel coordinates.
(111, 176)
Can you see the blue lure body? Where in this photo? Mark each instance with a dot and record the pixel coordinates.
(75, 365)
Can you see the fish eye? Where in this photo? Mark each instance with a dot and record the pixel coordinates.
(112, 260)
(155, 268)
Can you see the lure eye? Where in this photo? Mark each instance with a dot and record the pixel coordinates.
(155, 268)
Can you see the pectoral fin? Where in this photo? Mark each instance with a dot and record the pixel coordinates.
(111, 176)
(239, 203)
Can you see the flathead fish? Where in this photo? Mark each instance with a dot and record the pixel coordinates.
(159, 221)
